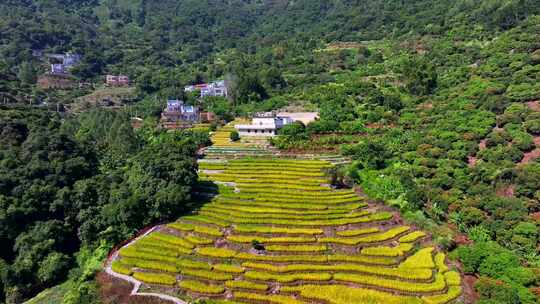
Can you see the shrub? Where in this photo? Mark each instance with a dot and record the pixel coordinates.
(496, 265)
(473, 255)
(496, 290)
(257, 245)
(533, 126)
(234, 136)
(199, 287)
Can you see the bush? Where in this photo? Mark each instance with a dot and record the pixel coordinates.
(495, 265)
(533, 126)
(257, 245)
(234, 136)
(322, 126)
(294, 131)
(473, 255)
(496, 290)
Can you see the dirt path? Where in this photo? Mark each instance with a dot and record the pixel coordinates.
(532, 155)
(136, 283)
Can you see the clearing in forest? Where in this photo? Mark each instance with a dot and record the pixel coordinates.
(277, 234)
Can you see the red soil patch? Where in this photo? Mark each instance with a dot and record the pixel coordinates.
(482, 145)
(426, 105)
(117, 291)
(534, 105)
(470, 295)
(536, 292)
(462, 239)
(532, 155)
(472, 160)
(507, 191)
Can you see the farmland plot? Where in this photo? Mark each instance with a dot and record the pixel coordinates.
(279, 235)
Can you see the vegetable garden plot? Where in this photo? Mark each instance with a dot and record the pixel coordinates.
(282, 237)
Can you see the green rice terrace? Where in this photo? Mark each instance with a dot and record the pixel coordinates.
(277, 234)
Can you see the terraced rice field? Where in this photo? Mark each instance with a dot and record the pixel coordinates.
(278, 234)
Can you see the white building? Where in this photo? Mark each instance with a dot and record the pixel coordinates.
(267, 124)
(304, 117)
(69, 60)
(213, 89)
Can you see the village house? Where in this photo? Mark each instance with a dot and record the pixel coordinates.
(263, 124)
(304, 117)
(117, 80)
(63, 63)
(213, 89)
(268, 124)
(178, 115)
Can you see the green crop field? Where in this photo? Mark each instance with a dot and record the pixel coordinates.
(280, 235)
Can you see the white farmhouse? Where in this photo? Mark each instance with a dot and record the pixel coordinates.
(263, 126)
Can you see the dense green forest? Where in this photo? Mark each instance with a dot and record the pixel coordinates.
(433, 100)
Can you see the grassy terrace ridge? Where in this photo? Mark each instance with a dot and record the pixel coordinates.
(281, 228)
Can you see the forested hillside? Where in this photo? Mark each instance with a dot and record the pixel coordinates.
(437, 103)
